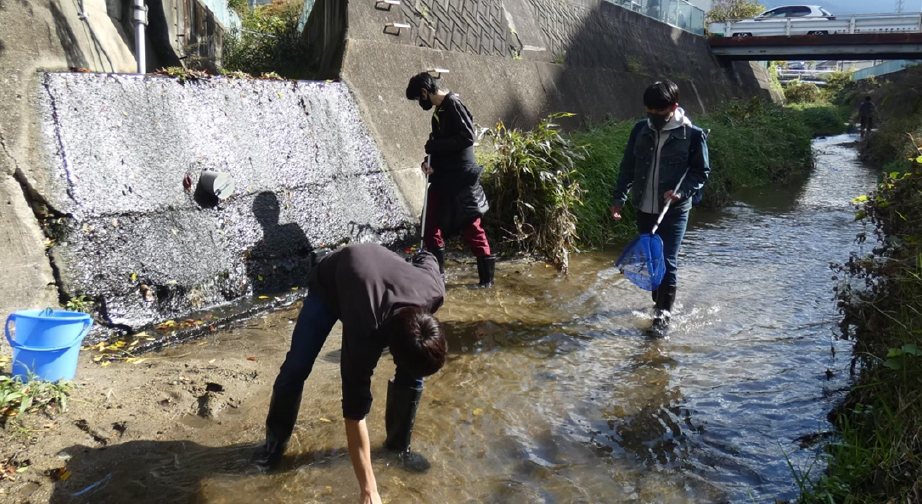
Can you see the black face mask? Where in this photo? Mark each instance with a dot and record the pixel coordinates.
(426, 104)
(658, 120)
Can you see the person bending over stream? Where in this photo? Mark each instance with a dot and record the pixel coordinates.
(666, 159)
(382, 301)
(456, 199)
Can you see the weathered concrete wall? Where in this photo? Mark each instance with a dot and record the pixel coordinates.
(117, 150)
(40, 34)
(53, 35)
(518, 60)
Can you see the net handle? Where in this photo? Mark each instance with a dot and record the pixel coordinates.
(659, 220)
(662, 214)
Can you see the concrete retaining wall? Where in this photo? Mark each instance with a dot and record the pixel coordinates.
(119, 153)
(517, 61)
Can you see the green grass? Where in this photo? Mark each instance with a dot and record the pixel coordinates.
(36, 396)
(752, 143)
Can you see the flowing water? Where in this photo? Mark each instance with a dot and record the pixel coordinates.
(554, 395)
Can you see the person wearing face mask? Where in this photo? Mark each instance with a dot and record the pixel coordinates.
(456, 199)
(666, 159)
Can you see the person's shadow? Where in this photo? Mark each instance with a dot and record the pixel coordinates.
(154, 472)
(282, 259)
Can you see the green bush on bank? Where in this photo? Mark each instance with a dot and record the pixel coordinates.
(268, 41)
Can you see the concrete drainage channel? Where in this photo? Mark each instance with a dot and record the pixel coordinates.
(169, 201)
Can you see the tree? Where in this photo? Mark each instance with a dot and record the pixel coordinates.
(728, 10)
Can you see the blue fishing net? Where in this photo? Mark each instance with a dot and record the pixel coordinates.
(642, 262)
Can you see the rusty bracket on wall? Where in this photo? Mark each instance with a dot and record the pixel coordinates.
(386, 5)
(395, 26)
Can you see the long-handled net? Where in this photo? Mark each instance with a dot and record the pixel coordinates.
(642, 262)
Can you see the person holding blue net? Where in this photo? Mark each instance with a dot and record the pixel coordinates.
(665, 166)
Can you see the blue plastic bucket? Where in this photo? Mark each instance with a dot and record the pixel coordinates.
(46, 343)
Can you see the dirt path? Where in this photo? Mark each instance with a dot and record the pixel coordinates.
(128, 425)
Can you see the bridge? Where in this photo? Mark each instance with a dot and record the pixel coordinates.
(870, 46)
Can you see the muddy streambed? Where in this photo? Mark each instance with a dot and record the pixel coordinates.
(552, 394)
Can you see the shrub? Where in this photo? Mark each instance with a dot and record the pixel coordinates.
(268, 41)
(530, 180)
(802, 92)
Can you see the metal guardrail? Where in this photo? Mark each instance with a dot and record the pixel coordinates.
(887, 67)
(857, 24)
(679, 13)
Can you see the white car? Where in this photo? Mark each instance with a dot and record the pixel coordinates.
(800, 20)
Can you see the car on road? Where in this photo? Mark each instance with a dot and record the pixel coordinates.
(786, 20)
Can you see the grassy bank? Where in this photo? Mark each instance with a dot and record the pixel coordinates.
(751, 144)
(540, 182)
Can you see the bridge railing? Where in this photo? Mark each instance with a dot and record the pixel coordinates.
(861, 23)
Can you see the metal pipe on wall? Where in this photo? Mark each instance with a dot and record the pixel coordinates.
(139, 20)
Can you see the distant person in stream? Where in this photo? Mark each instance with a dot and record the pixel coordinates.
(666, 159)
(866, 112)
(383, 302)
(456, 199)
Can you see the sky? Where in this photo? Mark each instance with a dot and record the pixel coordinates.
(851, 6)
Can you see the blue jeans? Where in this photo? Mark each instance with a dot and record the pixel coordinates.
(314, 324)
(671, 230)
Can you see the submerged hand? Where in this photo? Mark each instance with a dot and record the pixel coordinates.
(616, 213)
(671, 196)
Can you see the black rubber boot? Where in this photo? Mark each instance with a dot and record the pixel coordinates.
(283, 413)
(439, 253)
(665, 299)
(486, 268)
(399, 417)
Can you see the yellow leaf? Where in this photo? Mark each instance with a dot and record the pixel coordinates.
(325, 420)
(212, 361)
(175, 231)
(104, 364)
(263, 297)
(142, 335)
(139, 361)
(478, 411)
(294, 288)
(134, 276)
(260, 277)
(97, 358)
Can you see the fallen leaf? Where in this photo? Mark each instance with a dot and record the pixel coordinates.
(263, 297)
(259, 277)
(175, 231)
(134, 276)
(23, 469)
(139, 361)
(142, 335)
(325, 420)
(105, 364)
(252, 359)
(212, 361)
(294, 288)
(478, 411)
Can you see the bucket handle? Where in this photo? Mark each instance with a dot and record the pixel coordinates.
(86, 330)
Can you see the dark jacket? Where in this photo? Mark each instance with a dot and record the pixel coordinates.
(451, 146)
(684, 153)
(456, 174)
(364, 284)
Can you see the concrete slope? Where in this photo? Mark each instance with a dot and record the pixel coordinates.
(120, 151)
